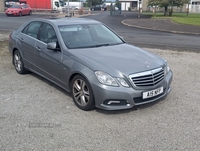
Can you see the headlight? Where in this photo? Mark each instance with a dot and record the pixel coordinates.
(105, 78)
(123, 82)
(167, 69)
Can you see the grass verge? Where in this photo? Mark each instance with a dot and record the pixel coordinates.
(180, 18)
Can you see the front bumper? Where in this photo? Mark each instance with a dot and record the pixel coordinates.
(118, 98)
(12, 13)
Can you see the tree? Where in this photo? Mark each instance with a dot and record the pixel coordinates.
(168, 3)
(94, 2)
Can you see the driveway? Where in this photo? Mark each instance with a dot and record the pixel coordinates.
(37, 115)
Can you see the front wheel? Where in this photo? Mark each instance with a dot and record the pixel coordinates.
(20, 14)
(30, 12)
(82, 93)
(18, 63)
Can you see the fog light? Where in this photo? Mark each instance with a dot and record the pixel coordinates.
(113, 102)
(116, 102)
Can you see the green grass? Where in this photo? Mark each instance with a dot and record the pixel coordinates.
(180, 18)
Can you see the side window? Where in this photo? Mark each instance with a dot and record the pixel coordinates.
(32, 29)
(25, 30)
(48, 34)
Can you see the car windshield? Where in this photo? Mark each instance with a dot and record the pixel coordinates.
(88, 36)
(16, 6)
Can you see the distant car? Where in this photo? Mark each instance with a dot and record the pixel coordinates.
(99, 7)
(91, 61)
(19, 10)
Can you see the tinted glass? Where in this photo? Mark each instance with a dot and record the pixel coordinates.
(84, 36)
(48, 34)
(32, 29)
(16, 6)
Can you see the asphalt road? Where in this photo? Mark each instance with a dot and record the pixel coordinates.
(136, 36)
(147, 38)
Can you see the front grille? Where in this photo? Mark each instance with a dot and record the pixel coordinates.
(148, 78)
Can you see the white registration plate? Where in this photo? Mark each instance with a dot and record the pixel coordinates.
(9, 12)
(152, 93)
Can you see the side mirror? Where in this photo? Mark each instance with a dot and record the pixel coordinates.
(52, 46)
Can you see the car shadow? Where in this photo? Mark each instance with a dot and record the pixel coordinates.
(50, 84)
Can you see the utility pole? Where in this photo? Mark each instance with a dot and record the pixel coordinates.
(139, 10)
(68, 9)
(188, 9)
(2, 5)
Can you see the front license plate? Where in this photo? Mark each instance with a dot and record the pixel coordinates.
(152, 93)
(9, 12)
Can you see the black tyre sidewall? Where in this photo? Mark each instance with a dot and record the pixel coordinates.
(91, 104)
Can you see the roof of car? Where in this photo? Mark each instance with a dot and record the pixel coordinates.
(68, 21)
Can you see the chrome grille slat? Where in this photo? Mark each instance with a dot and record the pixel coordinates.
(148, 78)
(158, 77)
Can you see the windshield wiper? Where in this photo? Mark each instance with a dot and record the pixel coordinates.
(98, 45)
(101, 45)
(92, 46)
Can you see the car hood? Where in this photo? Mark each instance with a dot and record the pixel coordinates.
(117, 60)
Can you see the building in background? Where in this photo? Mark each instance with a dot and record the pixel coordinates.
(194, 6)
(134, 4)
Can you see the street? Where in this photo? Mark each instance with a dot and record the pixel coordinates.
(136, 36)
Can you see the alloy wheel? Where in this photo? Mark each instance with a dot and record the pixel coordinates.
(81, 92)
(18, 62)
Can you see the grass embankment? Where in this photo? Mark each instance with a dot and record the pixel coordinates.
(180, 18)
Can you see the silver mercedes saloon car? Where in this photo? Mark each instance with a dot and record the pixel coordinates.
(91, 61)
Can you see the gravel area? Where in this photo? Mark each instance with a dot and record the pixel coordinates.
(37, 115)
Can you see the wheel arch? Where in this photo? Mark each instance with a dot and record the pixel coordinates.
(75, 74)
(93, 103)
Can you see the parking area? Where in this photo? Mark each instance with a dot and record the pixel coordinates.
(37, 115)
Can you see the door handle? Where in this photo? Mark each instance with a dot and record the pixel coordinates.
(38, 48)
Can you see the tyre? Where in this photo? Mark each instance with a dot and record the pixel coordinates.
(18, 63)
(30, 13)
(20, 14)
(82, 93)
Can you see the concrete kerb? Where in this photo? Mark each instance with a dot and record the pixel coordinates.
(170, 31)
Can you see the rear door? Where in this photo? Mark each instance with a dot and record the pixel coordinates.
(28, 38)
